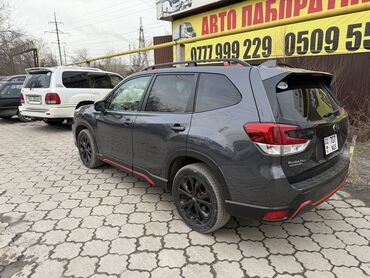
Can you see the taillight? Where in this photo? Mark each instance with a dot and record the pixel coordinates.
(21, 98)
(274, 139)
(52, 98)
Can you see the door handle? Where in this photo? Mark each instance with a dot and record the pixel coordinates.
(177, 128)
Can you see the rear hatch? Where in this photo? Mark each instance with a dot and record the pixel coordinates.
(307, 101)
(35, 88)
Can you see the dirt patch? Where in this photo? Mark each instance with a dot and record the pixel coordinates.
(358, 184)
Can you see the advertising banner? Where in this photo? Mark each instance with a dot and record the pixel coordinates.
(342, 34)
(168, 8)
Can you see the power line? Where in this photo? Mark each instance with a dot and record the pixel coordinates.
(57, 32)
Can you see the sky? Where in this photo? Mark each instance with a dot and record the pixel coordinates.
(97, 25)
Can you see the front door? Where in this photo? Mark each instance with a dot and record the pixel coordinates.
(161, 129)
(114, 127)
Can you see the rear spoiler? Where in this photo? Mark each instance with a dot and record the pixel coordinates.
(29, 70)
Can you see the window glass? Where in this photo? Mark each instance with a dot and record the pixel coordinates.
(304, 99)
(170, 93)
(10, 89)
(215, 91)
(115, 79)
(100, 81)
(128, 96)
(38, 80)
(75, 79)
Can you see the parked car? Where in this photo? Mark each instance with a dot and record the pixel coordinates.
(4, 79)
(266, 141)
(10, 93)
(53, 94)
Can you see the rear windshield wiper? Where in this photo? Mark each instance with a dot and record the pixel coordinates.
(330, 114)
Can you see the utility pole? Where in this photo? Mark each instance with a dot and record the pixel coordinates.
(58, 32)
(65, 55)
(143, 58)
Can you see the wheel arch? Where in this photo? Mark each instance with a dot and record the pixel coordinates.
(84, 102)
(180, 161)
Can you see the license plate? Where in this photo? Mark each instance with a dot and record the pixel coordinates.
(331, 144)
(34, 99)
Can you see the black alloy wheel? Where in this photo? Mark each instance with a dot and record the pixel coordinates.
(195, 201)
(199, 198)
(85, 149)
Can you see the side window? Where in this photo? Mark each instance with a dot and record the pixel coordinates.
(128, 96)
(215, 91)
(75, 79)
(170, 93)
(115, 79)
(100, 81)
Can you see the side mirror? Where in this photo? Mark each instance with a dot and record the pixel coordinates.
(100, 106)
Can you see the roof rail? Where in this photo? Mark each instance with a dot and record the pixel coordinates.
(274, 63)
(195, 63)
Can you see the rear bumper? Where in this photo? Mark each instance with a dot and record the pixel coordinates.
(47, 113)
(320, 190)
(8, 111)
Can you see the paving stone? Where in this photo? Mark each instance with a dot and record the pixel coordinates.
(339, 257)
(81, 267)
(171, 258)
(123, 246)
(340, 225)
(257, 267)
(201, 239)
(304, 243)
(253, 249)
(150, 243)
(165, 272)
(196, 271)
(95, 248)
(284, 263)
(250, 233)
(318, 274)
(278, 246)
(296, 229)
(362, 253)
(142, 261)
(345, 272)
(132, 230)
(81, 235)
(313, 261)
(318, 228)
(50, 269)
(228, 269)
(178, 226)
(200, 254)
(176, 241)
(273, 231)
(112, 264)
(107, 233)
(68, 223)
(66, 250)
(134, 274)
(351, 238)
(116, 220)
(37, 252)
(360, 223)
(92, 221)
(328, 241)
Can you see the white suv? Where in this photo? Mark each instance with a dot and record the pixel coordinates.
(53, 94)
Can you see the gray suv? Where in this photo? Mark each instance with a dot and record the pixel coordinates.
(226, 138)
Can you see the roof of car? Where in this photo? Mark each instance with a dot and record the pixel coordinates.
(63, 68)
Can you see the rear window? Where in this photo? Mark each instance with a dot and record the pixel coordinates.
(75, 79)
(215, 91)
(10, 89)
(305, 99)
(38, 80)
(100, 81)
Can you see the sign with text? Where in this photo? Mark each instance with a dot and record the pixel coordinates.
(342, 34)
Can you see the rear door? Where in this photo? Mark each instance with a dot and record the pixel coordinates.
(307, 101)
(161, 129)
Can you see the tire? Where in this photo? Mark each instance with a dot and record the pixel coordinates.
(88, 150)
(24, 118)
(6, 117)
(206, 212)
(53, 122)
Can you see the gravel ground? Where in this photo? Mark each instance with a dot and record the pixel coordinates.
(59, 219)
